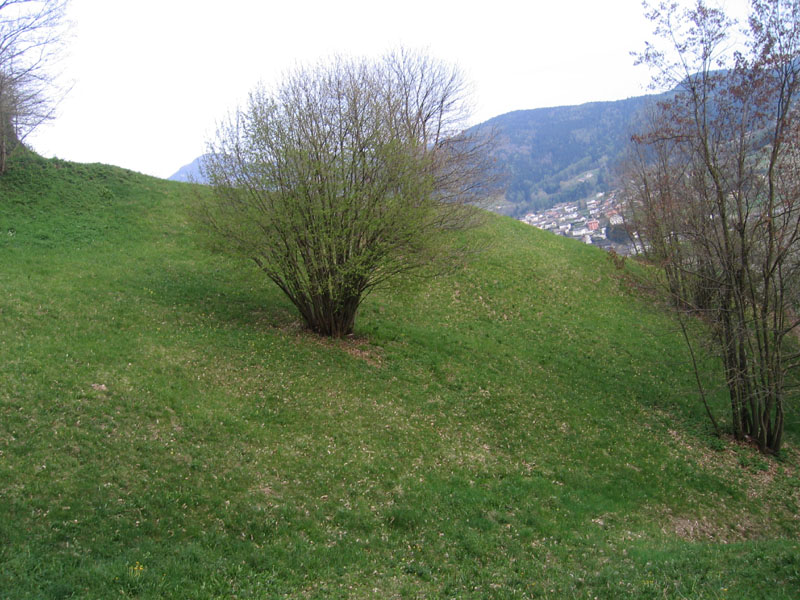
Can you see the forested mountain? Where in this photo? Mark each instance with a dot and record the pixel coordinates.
(561, 154)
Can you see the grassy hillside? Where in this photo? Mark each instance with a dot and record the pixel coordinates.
(523, 428)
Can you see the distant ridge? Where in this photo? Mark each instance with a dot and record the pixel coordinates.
(190, 173)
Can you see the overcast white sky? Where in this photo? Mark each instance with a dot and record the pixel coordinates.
(151, 77)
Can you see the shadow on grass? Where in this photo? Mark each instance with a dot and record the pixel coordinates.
(225, 293)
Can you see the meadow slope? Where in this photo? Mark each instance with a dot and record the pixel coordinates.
(524, 427)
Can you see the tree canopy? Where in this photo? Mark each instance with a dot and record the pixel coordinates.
(713, 193)
(30, 35)
(345, 175)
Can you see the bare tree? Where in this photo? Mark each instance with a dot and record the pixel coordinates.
(344, 176)
(712, 189)
(30, 39)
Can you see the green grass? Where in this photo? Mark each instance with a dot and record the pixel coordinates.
(523, 428)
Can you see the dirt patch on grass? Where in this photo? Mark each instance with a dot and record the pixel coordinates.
(705, 529)
(361, 348)
(267, 490)
(355, 346)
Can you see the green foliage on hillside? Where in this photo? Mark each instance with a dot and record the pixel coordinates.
(525, 427)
